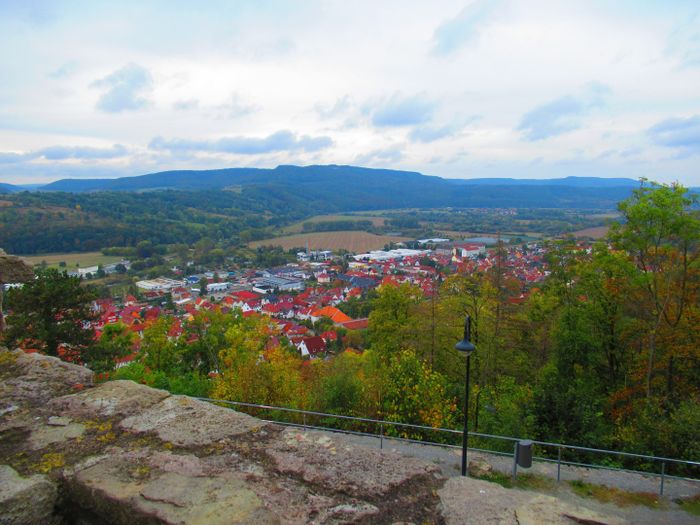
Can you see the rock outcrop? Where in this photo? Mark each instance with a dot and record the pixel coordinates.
(124, 453)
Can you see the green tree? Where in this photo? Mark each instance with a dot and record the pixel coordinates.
(116, 341)
(144, 249)
(390, 319)
(203, 283)
(660, 231)
(53, 310)
(416, 394)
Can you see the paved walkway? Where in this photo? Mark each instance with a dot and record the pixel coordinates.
(449, 460)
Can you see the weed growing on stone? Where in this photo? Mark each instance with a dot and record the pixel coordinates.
(49, 462)
(620, 497)
(691, 505)
(522, 481)
(7, 358)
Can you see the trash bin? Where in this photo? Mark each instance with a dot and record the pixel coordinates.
(524, 454)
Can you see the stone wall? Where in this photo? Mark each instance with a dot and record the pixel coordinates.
(124, 453)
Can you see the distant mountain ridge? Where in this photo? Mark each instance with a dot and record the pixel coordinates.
(286, 174)
(333, 188)
(577, 182)
(336, 188)
(9, 188)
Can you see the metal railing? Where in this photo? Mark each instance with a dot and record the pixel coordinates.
(556, 455)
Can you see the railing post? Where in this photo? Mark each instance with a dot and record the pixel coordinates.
(515, 461)
(381, 435)
(304, 420)
(663, 476)
(558, 464)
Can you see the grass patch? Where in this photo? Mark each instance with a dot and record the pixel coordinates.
(620, 497)
(522, 481)
(691, 505)
(298, 227)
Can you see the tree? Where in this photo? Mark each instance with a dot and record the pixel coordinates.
(416, 394)
(144, 249)
(53, 310)
(12, 270)
(203, 283)
(158, 349)
(391, 317)
(116, 341)
(660, 232)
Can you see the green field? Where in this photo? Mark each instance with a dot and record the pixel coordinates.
(298, 227)
(72, 260)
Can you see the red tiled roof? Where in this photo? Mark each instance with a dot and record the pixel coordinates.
(335, 315)
(356, 324)
(314, 345)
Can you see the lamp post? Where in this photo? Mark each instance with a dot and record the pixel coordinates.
(466, 347)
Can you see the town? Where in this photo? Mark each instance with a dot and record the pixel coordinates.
(307, 301)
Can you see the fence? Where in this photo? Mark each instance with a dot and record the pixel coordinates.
(558, 453)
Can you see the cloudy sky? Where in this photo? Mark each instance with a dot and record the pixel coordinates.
(463, 89)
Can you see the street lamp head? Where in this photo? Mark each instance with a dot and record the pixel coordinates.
(465, 346)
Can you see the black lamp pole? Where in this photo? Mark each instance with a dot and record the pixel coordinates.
(466, 347)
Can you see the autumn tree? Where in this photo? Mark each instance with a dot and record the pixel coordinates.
(660, 231)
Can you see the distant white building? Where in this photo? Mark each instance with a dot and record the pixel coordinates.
(390, 255)
(161, 284)
(82, 272)
(218, 287)
(467, 250)
(269, 284)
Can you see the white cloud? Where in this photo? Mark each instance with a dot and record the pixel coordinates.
(351, 87)
(126, 89)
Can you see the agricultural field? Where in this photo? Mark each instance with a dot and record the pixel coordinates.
(505, 236)
(353, 241)
(298, 227)
(594, 233)
(72, 260)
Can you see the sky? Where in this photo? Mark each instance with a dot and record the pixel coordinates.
(458, 89)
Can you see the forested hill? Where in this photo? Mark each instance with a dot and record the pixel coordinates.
(243, 204)
(9, 188)
(336, 188)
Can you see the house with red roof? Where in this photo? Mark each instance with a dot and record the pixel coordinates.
(329, 336)
(332, 312)
(356, 324)
(312, 347)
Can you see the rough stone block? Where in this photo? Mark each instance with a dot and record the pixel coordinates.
(329, 461)
(46, 435)
(185, 421)
(25, 501)
(468, 501)
(129, 489)
(34, 379)
(114, 398)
